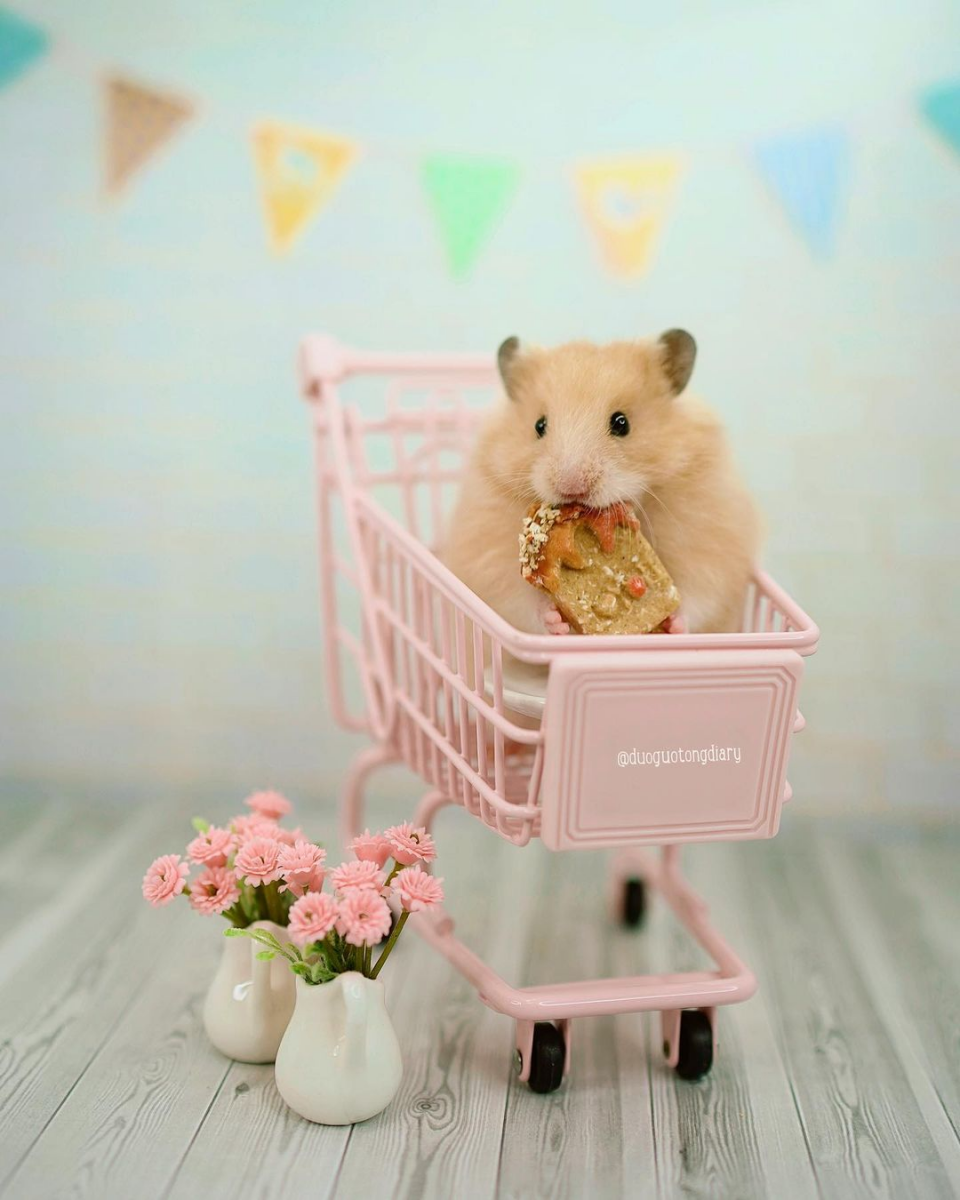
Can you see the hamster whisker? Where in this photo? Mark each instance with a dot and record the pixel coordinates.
(653, 494)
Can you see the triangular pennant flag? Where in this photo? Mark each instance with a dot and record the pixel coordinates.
(807, 173)
(468, 196)
(299, 170)
(941, 106)
(139, 120)
(625, 201)
(20, 44)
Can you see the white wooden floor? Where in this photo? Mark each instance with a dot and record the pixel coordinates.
(841, 1078)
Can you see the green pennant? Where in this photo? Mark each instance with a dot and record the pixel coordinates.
(468, 195)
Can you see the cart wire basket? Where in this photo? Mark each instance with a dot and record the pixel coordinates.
(627, 743)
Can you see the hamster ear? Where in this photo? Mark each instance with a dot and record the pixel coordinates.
(678, 352)
(507, 357)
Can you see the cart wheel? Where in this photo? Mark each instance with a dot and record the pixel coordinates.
(634, 903)
(696, 1045)
(547, 1055)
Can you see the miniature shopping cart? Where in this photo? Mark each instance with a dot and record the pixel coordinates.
(536, 736)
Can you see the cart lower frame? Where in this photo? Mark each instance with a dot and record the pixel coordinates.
(670, 994)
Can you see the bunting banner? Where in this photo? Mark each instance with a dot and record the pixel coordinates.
(468, 197)
(21, 43)
(625, 202)
(941, 106)
(299, 170)
(807, 175)
(139, 121)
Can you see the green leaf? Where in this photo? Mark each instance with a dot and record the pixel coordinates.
(234, 932)
(266, 955)
(200, 825)
(265, 938)
(300, 968)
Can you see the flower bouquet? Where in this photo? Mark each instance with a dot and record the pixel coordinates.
(251, 871)
(339, 1060)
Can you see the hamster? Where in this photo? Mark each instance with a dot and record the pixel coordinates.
(594, 425)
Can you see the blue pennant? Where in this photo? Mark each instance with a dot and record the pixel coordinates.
(807, 173)
(941, 106)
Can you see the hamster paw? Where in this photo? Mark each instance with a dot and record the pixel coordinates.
(553, 622)
(674, 624)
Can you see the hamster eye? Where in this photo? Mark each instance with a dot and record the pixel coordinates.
(619, 425)
(541, 426)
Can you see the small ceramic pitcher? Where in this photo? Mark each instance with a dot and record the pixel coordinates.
(339, 1061)
(251, 1000)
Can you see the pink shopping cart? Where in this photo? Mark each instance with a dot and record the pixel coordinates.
(626, 743)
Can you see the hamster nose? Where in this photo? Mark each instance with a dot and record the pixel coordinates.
(573, 485)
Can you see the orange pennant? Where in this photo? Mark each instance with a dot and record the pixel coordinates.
(625, 201)
(299, 171)
(139, 120)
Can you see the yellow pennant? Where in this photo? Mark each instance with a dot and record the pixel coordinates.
(625, 201)
(299, 170)
(138, 121)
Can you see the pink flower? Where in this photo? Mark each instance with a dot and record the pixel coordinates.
(165, 878)
(302, 867)
(357, 874)
(214, 891)
(257, 861)
(289, 836)
(372, 847)
(417, 890)
(251, 826)
(271, 805)
(312, 917)
(212, 848)
(410, 845)
(364, 917)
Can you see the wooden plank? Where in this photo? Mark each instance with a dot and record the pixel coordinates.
(572, 1142)
(63, 990)
(56, 845)
(736, 1132)
(130, 1115)
(866, 1132)
(250, 1136)
(891, 914)
(20, 817)
(636, 1043)
(441, 1135)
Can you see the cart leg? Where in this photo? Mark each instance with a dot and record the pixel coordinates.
(428, 808)
(351, 805)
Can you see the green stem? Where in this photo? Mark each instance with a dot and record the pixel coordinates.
(391, 942)
(271, 897)
(236, 916)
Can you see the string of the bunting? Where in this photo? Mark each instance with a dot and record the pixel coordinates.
(625, 201)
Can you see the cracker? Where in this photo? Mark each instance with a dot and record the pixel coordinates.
(602, 573)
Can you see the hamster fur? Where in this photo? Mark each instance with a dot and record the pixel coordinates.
(673, 465)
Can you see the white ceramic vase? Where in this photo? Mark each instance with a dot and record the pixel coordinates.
(250, 1000)
(339, 1061)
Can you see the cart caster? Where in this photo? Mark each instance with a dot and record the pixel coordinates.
(695, 1051)
(633, 903)
(548, 1052)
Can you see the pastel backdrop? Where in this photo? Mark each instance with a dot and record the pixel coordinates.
(798, 205)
